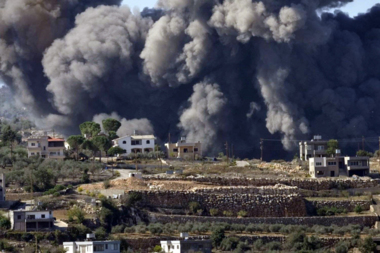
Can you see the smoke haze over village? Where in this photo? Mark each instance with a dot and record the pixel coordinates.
(215, 71)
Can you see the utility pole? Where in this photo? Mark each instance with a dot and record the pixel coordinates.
(227, 152)
(378, 153)
(363, 143)
(232, 151)
(262, 149)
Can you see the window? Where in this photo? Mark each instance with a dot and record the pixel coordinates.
(19, 217)
(44, 148)
(32, 153)
(319, 173)
(148, 142)
(185, 150)
(33, 144)
(98, 247)
(331, 163)
(177, 246)
(43, 216)
(124, 142)
(321, 148)
(175, 149)
(136, 142)
(318, 164)
(195, 149)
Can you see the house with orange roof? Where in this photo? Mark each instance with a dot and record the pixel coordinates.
(46, 147)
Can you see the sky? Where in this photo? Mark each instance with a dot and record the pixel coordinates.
(354, 8)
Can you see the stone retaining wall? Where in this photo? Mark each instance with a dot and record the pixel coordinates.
(364, 220)
(303, 183)
(278, 189)
(255, 205)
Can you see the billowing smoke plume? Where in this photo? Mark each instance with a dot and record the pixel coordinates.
(215, 71)
(202, 119)
(128, 127)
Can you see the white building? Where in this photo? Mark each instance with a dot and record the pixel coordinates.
(92, 246)
(186, 245)
(22, 220)
(135, 143)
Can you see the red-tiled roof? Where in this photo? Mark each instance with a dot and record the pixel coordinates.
(55, 139)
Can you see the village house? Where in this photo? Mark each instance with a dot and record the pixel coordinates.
(339, 165)
(313, 148)
(186, 245)
(90, 246)
(135, 143)
(46, 147)
(184, 150)
(27, 221)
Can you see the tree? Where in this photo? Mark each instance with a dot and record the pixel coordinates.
(115, 151)
(332, 146)
(112, 135)
(217, 236)
(8, 136)
(367, 246)
(89, 129)
(111, 125)
(102, 143)
(76, 212)
(75, 142)
(364, 153)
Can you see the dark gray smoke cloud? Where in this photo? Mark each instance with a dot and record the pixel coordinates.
(214, 71)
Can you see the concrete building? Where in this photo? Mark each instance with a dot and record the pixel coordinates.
(90, 246)
(27, 221)
(184, 150)
(46, 147)
(313, 148)
(323, 167)
(135, 143)
(186, 245)
(339, 165)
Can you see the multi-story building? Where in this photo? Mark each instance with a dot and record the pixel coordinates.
(90, 246)
(184, 150)
(27, 221)
(46, 147)
(186, 245)
(339, 165)
(313, 148)
(135, 143)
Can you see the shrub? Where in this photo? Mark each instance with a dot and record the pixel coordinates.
(258, 244)
(155, 228)
(128, 230)
(194, 207)
(229, 243)
(228, 213)
(5, 223)
(214, 212)
(367, 246)
(76, 212)
(80, 189)
(117, 229)
(242, 213)
(157, 248)
(358, 209)
(107, 184)
(56, 194)
(101, 233)
(217, 236)
(273, 246)
(330, 211)
(275, 228)
(341, 248)
(238, 227)
(132, 199)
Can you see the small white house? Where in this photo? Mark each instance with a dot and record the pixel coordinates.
(186, 245)
(135, 143)
(92, 246)
(137, 175)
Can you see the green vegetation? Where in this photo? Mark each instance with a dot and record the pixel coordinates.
(76, 212)
(330, 211)
(111, 125)
(364, 153)
(332, 146)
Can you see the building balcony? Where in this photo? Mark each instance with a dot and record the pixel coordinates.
(358, 167)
